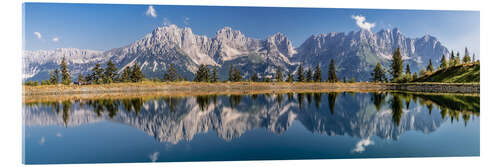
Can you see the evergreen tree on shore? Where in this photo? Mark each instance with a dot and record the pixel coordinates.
(171, 74)
(290, 77)
(125, 77)
(214, 77)
(457, 59)
(54, 77)
(254, 77)
(110, 73)
(415, 75)
(97, 74)
(237, 75)
(65, 75)
(230, 75)
(397, 64)
(279, 75)
(466, 58)
(137, 75)
(408, 71)
(317, 74)
(202, 75)
(444, 62)
(452, 59)
(332, 76)
(378, 74)
(80, 78)
(309, 76)
(300, 74)
(430, 67)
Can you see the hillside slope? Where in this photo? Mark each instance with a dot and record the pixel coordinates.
(465, 73)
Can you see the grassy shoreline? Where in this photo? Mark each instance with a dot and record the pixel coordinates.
(117, 90)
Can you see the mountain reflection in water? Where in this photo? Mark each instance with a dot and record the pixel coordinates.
(175, 119)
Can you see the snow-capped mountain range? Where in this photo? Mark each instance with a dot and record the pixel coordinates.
(355, 53)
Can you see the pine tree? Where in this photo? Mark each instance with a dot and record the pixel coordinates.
(199, 74)
(300, 74)
(56, 77)
(466, 59)
(452, 60)
(80, 78)
(317, 74)
(230, 77)
(378, 73)
(136, 75)
(51, 78)
(237, 75)
(279, 75)
(408, 71)
(430, 67)
(309, 76)
(414, 76)
(125, 77)
(332, 76)
(171, 74)
(97, 74)
(290, 77)
(352, 80)
(214, 77)
(110, 73)
(457, 59)
(254, 77)
(397, 64)
(65, 75)
(203, 74)
(444, 62)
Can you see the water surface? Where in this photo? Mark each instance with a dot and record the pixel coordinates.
(251, 127)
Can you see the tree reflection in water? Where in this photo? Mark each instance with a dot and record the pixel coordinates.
(272, 111)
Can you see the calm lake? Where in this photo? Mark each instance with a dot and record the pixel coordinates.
(251, 127)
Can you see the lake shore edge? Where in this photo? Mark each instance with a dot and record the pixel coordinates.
(193, 88)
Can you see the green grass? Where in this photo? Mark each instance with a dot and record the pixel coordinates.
(465, 73)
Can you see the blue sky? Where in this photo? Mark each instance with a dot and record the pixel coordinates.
(105, 26)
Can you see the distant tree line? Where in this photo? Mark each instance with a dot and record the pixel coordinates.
(204, 74)
(98, 75)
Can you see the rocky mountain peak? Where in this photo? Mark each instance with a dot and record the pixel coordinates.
(227, 33)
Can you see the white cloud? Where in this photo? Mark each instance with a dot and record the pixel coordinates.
(42, 140)
(38, 35)
(154, 156)
(360, 146)
(186, 20)
(361, 22)
(166, 22)
(55, 39)
(58, 134)
(151, 11)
